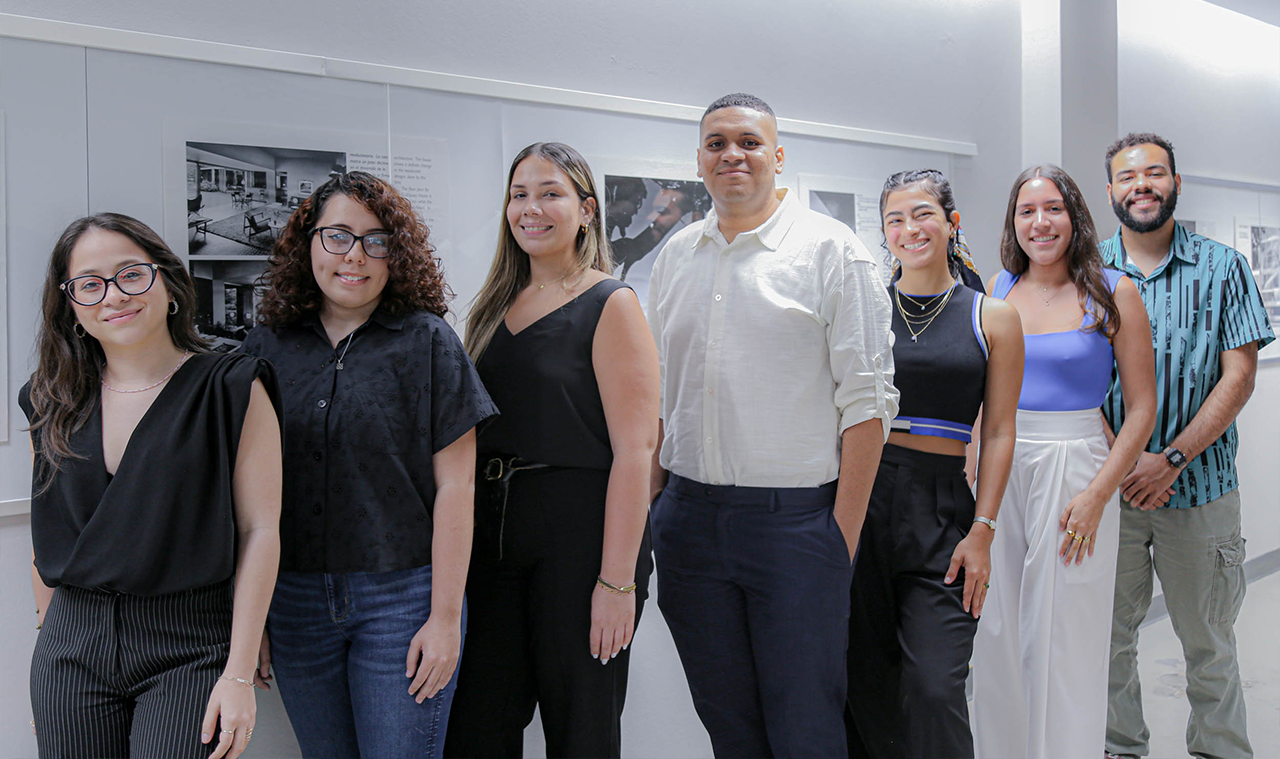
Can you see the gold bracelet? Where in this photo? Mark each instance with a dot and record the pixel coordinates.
(614, 589)
(240, 680)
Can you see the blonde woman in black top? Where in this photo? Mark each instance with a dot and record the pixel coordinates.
(157, 477)
(561, 563)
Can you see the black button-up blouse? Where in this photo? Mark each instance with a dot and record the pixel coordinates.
(362, 422)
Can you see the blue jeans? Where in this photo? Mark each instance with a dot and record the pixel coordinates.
(338, 648)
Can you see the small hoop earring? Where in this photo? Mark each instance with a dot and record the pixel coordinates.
(583, 228)
(78, 329)
(173, 307)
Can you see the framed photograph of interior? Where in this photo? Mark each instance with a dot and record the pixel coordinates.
(856, 202)
(645, 203)
(1259, 240)
(230, 189)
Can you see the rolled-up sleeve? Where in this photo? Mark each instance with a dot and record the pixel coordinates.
(860, 339)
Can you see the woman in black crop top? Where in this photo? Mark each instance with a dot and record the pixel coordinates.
(381, 401)
(156, 478)
(560, 568)
(921, 572)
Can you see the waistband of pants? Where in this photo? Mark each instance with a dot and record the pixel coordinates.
(216, 590)
(936, 463)
(738, 495)
(1059, 425)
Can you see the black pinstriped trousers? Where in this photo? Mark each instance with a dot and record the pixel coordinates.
(128, 676)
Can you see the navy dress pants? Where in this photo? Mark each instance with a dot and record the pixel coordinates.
(754, 585)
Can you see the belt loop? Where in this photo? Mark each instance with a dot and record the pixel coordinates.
(773, 500)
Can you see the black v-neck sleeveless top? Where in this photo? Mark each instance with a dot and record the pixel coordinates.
(165, 522)
(543, 380)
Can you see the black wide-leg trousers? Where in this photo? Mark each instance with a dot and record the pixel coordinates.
(529, 621)
(117, 675)
(910, 638)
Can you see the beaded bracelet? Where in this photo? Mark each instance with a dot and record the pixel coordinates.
(614, 589)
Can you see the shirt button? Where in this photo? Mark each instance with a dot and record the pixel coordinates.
(317, 509)
(718, 297)
(706, 491)
(711, 391)
(322, 403)
(715, 343)
(708, 440)
(317, 455)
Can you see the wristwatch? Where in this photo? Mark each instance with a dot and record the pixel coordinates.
(1176, 458)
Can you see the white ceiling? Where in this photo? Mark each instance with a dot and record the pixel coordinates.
(1263, 10)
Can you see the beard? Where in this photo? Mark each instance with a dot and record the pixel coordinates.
(1167, 206)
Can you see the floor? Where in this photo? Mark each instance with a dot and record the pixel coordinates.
(1164, 676)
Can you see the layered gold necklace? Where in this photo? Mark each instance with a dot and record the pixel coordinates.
(929, 310)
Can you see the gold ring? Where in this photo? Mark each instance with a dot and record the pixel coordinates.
(1087, 538)
(986, 585)
(1071, 532)
(233, 732)
(1079, 538)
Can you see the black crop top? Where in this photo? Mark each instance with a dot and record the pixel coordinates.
(166, 521)
(942, 373)
(545, 383)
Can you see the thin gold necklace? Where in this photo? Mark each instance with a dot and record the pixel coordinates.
(557, 279)
(163, 379)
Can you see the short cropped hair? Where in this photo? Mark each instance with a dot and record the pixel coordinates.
(1133, 140)
(738, 100)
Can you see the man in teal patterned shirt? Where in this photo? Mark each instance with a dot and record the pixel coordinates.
(1180, 511)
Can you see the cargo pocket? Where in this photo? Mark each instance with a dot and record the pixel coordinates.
(1227, 592)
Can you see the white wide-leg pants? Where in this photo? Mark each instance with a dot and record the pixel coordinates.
(1041, 653)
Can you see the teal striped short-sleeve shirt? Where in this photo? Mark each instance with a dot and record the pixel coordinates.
(1201, 301)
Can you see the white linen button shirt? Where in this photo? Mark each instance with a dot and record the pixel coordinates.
(770, 347)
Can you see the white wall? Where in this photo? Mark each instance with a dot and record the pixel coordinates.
(87, 133)
(1208, 79)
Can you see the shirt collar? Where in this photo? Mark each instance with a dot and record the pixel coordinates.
(770, 233)
(380, 316)
(1179, 248)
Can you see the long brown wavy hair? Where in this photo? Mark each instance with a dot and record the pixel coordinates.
(1084, 262)
(509, 273)
(67, 381)
(415, 281)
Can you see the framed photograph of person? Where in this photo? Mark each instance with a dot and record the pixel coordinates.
(645, 203)
(1259, 240)
(856, 202)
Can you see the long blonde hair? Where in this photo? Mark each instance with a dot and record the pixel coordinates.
(509, 273)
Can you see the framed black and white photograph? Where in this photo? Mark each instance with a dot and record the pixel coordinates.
(644, 205)
(227, 296)
(239, 198)
(1259, 241)
(857, 204)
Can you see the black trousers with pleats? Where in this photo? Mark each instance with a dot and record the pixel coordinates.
(910, 638)
(116, 675)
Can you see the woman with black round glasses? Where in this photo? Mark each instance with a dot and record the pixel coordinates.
(147, 645)
(381, 402)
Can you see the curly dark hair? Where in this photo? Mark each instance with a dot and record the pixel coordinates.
(415, 281)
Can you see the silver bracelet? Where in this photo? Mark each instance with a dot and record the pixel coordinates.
(241, 680)
(988, 522)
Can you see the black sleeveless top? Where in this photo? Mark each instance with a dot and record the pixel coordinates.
(166, 521)
(942, 372)
(544, 382)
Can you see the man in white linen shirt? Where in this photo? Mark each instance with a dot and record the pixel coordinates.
(773, 335)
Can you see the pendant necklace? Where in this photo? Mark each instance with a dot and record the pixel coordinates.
(926, 318)
(163, 379)
(345, 349)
